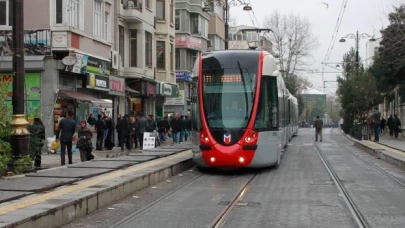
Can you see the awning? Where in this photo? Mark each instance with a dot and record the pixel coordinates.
(82, 97)
(131, 90)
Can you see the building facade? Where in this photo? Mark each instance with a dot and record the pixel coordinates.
(371, 51)
(197, 30)
(145, 45)
(68, 59)
(248, 39)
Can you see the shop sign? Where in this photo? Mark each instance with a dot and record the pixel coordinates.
(169, 90)
(179, 100)
(151, 89)
(117, 86)
(97, 82)
(190, 42)
(69, 60)
(59, 39)
(183, 76)
(97, 66)
(79, 66)
(166, 89)
(36, 42)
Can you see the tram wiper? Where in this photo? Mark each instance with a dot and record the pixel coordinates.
(244, 85)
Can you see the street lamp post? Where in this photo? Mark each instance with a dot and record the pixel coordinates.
(246, 7)
(20, 135)
(357, 38)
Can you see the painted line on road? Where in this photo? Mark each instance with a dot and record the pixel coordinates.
(88, 183)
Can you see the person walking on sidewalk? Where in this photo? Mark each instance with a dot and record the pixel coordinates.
(84, 143)
(140, 126)
(396, 125)
(376, 124)
(100, 128)
(390, 124)
(124, 129)
(318, 124)
(67, 128)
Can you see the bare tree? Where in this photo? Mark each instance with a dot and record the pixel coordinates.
(293, 40)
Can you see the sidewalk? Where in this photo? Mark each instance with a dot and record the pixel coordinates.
(53, 160)
(395, 143)
(57, 196)
(388, 149)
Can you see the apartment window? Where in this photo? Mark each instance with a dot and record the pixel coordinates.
(59, 11)
(177, 59)
(194, 23)
(160, 55)
(171, 11)
(177, 20)
(4, 12)
(160, 9)
(121, 44)
(133, 47)
(147, 3)
(73, 13)
(107, 29)
(171, 57)
(148, 49)
(97, 27)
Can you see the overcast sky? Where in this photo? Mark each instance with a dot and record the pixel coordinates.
(368, 16)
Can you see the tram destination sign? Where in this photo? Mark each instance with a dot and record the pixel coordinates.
(224, 78)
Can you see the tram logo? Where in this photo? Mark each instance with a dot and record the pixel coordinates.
(227, 138)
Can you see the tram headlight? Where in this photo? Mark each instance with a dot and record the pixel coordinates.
(251, 137)
(241, 160)
(212, 159)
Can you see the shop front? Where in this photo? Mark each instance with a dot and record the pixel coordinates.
(144, 101)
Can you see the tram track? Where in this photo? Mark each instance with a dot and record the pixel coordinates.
(357, 218)
(221, 218)
(367, 162)
(144, 209)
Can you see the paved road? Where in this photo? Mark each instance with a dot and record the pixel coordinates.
(300, 193)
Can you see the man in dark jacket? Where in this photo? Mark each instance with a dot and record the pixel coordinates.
(124, 129)
(100, 127)
(141, 125)
(318, 124)
(67, 128)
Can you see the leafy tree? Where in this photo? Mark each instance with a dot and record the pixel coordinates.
(389, 64)
(357, 89)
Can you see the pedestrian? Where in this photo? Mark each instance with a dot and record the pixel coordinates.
(390, 124)
(124, 129)
(318, 124)
(140, 127)
(177, 125)
(116, 127)
(383, 124)
(100, 128)
(376, 117)
(84, 143)
(67, 128)
(38, 129)
(396, 125)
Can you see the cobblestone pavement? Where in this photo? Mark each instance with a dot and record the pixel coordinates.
(300, 193)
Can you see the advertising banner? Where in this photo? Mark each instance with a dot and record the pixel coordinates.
(179, 100)
(98, 82)
(32, 95)
(36, 42)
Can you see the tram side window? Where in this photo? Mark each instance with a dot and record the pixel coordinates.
(267, 111)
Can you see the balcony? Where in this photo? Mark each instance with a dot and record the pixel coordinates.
(131, 10)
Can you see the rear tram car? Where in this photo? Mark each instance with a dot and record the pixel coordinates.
(242, 112)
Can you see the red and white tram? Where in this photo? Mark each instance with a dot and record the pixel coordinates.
(242, 112)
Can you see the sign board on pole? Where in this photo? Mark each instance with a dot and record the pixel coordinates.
(149, 140)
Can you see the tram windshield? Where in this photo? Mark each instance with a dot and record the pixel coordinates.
(228, 92)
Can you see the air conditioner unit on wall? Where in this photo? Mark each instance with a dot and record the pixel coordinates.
(114, 60)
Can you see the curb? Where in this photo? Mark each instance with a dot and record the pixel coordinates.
(65, 208)
(379, 153)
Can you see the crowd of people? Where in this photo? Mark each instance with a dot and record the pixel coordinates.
(377, 125)
(130, 131)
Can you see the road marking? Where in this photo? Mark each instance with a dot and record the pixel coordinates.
(85, 184)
